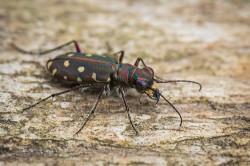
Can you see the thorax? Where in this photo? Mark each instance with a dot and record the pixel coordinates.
(123, 74)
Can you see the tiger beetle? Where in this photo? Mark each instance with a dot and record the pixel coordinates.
(89, 69)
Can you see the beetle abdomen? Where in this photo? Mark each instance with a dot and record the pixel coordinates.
(80, 69)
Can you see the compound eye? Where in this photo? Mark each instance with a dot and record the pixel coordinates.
(141, 84)
(149, 70)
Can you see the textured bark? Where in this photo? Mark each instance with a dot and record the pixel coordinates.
(205, 41)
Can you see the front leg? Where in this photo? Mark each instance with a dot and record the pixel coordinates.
(128, 110)
(138, 60)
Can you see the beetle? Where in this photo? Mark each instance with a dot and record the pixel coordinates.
(90, 69)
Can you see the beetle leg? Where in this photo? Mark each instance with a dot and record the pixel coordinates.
(48, 51)
(138, 60)
(127, 109)
(93, 109)
(121, 55)
(54, 95)
(107, 90)
(110, 50)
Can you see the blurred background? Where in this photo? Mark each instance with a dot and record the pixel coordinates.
(201, 40)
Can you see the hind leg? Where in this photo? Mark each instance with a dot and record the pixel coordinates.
(50, 50)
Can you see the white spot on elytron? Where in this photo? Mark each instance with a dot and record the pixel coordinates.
(66, 63)
(81, 69)
(88, 54)
(65, 77)
(94, 78)
(70, 55)
(79, 79)
(49, 64)
(54, 72)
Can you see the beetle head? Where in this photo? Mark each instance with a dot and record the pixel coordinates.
(145, 82)
(153, 94)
